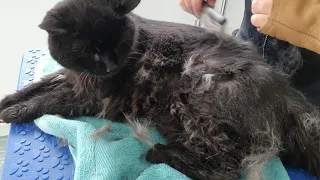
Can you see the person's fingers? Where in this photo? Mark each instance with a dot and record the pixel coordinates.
(189, 5)
(186, 6)
(183, 5)
(261, 6)
(258, 20)
(196, 6)
(211, 3)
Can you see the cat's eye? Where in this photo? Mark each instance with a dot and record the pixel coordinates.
(74, 34)
(80, 43)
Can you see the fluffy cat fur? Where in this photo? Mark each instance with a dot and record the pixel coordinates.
(220, 107)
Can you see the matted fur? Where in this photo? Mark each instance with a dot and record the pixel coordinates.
(220, 107)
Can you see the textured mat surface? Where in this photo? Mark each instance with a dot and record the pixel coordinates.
(32, 154)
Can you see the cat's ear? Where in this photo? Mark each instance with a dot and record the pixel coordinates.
(56, 22)
(123, 7)
(51, 24)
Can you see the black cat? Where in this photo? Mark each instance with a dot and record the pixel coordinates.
(220, 107)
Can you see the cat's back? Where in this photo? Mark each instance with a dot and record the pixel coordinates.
(194, 40)
(156, 28)
(197, 52)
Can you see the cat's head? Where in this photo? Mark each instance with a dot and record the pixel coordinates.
(91, 36)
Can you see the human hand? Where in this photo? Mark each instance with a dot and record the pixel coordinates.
(260, 10)
(195, 6)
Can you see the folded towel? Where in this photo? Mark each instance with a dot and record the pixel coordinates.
(117, 154)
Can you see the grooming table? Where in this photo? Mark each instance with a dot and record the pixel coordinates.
(31, 154)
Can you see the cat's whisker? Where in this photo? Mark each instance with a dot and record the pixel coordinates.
(145, 41)
(84, 49)
(82, 79)
(125, 42)
(97, 49)
(77, 47)
(81, 75)
(72, 50)
(87, 81)
(134, 58)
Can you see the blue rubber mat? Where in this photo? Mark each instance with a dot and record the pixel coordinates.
(31, 154)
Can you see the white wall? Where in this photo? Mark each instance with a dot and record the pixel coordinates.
(164, 10)
(18, 33)
(233, 12)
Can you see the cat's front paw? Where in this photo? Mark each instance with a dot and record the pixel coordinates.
(18, 113)
(7, 102)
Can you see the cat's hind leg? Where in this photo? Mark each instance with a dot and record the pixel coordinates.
(193, 165)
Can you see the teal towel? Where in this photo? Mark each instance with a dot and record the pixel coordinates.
(117, 154)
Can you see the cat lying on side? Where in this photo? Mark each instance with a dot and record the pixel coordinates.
(220, 107)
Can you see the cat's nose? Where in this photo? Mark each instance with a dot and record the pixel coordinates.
(110, 64)
(96, 58)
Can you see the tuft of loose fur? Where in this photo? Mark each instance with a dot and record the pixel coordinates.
(140, 131)
(62, 142)
(103, 130)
